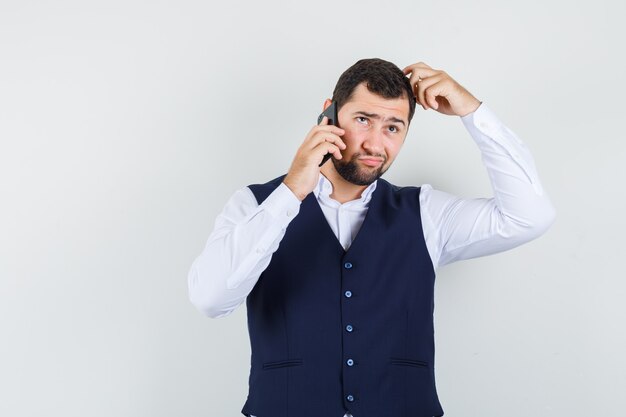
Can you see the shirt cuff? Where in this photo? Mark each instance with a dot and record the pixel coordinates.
(282, 204)
(479, 117)
(483, 122)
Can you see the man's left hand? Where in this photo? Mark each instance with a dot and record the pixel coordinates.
(434, 89)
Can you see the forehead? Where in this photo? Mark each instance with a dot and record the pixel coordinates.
(364, 100)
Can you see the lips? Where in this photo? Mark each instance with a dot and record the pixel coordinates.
(371, 162)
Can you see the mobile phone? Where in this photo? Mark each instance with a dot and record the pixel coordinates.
(331, 113)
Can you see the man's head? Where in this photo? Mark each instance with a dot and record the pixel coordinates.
(375, 104)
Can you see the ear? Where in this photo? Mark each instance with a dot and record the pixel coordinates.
(327, 103)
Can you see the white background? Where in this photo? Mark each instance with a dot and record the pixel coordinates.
(126, 125)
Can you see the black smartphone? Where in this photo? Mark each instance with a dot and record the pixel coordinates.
(331, 113)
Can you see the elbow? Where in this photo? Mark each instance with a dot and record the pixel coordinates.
(543, 219)
(547, 219)
(202, 299)
(207, 308)
(536, 223)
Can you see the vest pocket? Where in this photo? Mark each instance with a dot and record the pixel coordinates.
(409, 362)
(282, 364)
(412, 381)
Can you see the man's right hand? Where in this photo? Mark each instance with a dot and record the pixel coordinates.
(304, 171)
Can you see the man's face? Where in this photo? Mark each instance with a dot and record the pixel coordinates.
(375, 128)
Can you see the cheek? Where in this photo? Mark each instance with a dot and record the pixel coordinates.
(352, 140)
(392, 151)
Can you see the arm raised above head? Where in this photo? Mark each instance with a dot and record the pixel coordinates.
(519, 211)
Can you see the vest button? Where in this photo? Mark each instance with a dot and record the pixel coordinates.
(347, 265)
(350, 362)
(349, 327)
(349, 398)
(348, 294)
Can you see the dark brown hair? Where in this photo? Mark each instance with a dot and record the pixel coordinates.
(381, 77)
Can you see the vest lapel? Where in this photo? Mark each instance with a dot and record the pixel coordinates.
(373, 219)
(372, 224)
(311, 203)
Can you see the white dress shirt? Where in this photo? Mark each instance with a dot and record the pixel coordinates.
(246, 234)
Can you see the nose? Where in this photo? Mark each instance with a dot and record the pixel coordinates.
(373, 143)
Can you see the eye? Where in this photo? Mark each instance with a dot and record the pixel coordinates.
(361, 119)
(393, 129)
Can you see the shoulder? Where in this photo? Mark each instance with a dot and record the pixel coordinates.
(262, 191)
(399, 196)
(398, 191)
(424, 198)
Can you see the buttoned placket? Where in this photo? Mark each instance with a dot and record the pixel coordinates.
(344, 218)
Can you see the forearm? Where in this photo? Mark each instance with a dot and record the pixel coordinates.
(239, 249)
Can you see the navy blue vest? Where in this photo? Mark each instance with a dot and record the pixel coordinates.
(334, 331)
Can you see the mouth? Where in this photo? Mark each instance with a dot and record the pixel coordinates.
(371, 162)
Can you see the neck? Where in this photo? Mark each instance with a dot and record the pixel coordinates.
(343, 191)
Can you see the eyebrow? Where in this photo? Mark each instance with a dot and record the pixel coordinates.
(377, 116)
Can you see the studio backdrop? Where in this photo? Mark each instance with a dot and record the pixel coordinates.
(125, 126)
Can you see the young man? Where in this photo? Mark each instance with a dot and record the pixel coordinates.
(338, 266)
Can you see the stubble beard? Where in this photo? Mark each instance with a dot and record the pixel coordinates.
(350, 171)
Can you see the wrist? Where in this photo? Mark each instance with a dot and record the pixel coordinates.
(294, 190)
(470, 107)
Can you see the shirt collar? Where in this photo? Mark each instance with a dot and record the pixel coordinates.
(324, 189)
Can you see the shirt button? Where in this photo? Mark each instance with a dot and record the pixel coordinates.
(348, 294)
(347, 265)
(289, 213)
(349, 397)
(350, 362)
(349, 327)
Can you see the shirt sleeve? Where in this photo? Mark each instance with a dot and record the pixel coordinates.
(457, 228)
(239, 249)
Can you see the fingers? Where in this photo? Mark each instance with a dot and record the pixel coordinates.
(327, 127)
(418, 72)
(327, 147)
(428, 84)
(322, 139)
(421, 78)
(428, 89)
(305, 168)
(324, 143)
(420, 65)
(324, 133)
(421, 74)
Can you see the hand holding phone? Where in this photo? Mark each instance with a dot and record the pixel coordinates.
(321, 142)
